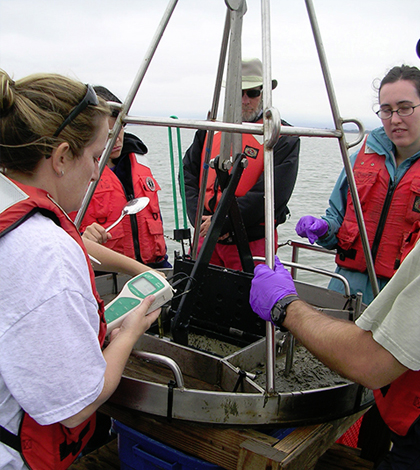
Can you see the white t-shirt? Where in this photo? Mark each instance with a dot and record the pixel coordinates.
(394, 316)
(51, 364)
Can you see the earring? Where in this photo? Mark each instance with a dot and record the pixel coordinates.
(60, 174)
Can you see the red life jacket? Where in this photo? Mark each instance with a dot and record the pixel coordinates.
(392, 210)
(411, 240)
(399, 402)
(254, 151)
(106, 206)
(51, 447)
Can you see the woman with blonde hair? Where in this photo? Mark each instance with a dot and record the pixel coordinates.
(53, 373)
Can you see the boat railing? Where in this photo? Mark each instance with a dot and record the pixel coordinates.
(295, 265)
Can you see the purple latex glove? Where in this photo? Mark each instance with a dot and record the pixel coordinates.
(311, 228)
(268, 287)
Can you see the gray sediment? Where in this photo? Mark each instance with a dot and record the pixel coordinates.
(307, 373)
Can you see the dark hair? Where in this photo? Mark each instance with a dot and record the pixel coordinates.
(108, 96)
(403, 72)
(31, 110)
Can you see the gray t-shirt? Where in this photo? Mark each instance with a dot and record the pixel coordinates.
(51, 364)
(394, 315)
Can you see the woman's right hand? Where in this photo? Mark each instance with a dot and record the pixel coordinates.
(96, 233)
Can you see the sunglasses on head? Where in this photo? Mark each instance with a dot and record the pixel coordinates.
(252, 93)
(89, 98)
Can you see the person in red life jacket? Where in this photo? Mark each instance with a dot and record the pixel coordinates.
(414, 236)
(53, 371)
(127, 176)
(387, 175)
(381, 350)
(250, 191)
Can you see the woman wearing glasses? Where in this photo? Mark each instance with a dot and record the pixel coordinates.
(53, 373)
(387, 175)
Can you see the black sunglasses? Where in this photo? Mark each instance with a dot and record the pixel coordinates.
(252, 93)
(90, 98)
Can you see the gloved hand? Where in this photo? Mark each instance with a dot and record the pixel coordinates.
(268, 287)
(311, 228)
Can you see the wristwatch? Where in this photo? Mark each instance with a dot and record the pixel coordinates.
(278, 312)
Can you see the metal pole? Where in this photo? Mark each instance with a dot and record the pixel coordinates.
(126, 106)
(268, 182)
(344, 148)
(212, 116)
(244, 128)
(233, 102)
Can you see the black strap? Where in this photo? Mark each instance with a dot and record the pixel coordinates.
(10, 439)
(74, 447)
(343, 254)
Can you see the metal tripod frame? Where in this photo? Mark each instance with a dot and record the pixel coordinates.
(233, 128)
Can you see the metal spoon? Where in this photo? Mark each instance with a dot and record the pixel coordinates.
(132, 207)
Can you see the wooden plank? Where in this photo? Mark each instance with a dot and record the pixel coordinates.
(311, 442)
(104, 458)
(255, 455)
(340, 457)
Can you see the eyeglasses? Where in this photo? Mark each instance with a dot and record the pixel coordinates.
(402, 111)
(252, 93)
(90, 98)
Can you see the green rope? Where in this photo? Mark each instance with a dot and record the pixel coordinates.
(181, 177)
(171, 154)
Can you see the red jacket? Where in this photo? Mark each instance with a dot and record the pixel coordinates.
(251, 205)
(52, 447)
(389, 213)
(255, 156)
(140, 234)
(399, 402)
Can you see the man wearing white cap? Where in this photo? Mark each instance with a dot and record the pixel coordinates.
(250, 190)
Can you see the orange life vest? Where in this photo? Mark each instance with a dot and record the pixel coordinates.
(51, 447)
(254, 152)
(411, 240)
(106, 206)
(389, 214)
(399, 402)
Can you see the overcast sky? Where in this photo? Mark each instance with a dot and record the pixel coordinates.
(103, 42)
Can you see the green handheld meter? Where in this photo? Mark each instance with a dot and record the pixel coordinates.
(133, 293)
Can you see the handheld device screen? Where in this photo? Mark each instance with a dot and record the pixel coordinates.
(144, 286)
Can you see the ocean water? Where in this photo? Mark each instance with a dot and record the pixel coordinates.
(319, 167)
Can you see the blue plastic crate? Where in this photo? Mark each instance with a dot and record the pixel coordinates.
(140, 452)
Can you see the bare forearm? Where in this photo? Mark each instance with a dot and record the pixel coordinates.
(112, 261)
(343, 346)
